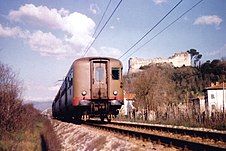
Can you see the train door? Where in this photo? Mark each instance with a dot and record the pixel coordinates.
(99, 80)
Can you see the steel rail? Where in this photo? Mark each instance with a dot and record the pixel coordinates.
(184, 144)
(190, 132)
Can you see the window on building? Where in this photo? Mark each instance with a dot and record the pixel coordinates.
(212, 96)
(99, 73)
(115, 73)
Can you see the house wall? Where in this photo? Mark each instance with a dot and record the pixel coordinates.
(202, 105)
(214, 101)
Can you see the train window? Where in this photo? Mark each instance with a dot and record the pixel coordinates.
(71, 82)
(99, 73)
(115, 73)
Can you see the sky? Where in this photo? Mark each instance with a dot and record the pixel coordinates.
(39, 39)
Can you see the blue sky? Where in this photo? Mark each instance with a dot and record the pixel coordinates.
(40, 39)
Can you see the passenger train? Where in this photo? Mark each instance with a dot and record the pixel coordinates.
(92, 88)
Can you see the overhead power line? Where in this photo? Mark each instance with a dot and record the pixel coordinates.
(102, 17)
(99, 23)
(166, 27)
(150, 29)
(102, 28)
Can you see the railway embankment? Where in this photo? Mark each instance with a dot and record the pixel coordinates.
(82, 137)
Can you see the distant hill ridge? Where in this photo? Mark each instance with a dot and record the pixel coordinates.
(40, 105)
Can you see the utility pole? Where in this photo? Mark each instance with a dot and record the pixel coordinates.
(223, 100)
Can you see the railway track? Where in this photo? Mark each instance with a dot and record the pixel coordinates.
(217, 136)
(175, 137)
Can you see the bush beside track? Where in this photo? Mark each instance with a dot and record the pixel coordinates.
(22, 127)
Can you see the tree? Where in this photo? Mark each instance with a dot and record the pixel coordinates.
(214, 71)
(14, 115)
(188, 82)
(194, 54)
(197, 59)
(223, 58)
(153, 88)
(8, 94)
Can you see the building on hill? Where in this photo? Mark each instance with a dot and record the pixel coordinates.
(177, 60)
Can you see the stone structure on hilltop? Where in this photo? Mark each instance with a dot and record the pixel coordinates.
(177, 60)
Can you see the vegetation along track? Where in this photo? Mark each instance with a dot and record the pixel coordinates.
(177, 137)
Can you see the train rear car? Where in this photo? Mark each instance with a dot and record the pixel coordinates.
(92, 88)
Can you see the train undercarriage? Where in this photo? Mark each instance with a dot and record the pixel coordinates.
(101, 109)
(92, 109)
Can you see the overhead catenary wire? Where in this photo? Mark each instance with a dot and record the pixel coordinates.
(99, 23)
(102, 17)
(165, 28)
(102, 28)
(151, 29)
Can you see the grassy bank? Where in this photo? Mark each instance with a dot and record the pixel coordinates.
(22, 127)
(28, 139)
(39, 137)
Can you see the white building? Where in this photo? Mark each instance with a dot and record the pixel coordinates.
(215, 98)
(128, 107)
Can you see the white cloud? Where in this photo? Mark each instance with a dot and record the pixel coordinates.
(9, 32)
(41, 15)
(80, 29)
(73, 23)
(94, 8)
(159, 2)
(208, 20)
(106, 52)
(63, 12)
(48, 45)
(77, 29)
(44, 43)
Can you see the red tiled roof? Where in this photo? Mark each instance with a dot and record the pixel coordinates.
(216, 86)
(129, 96)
